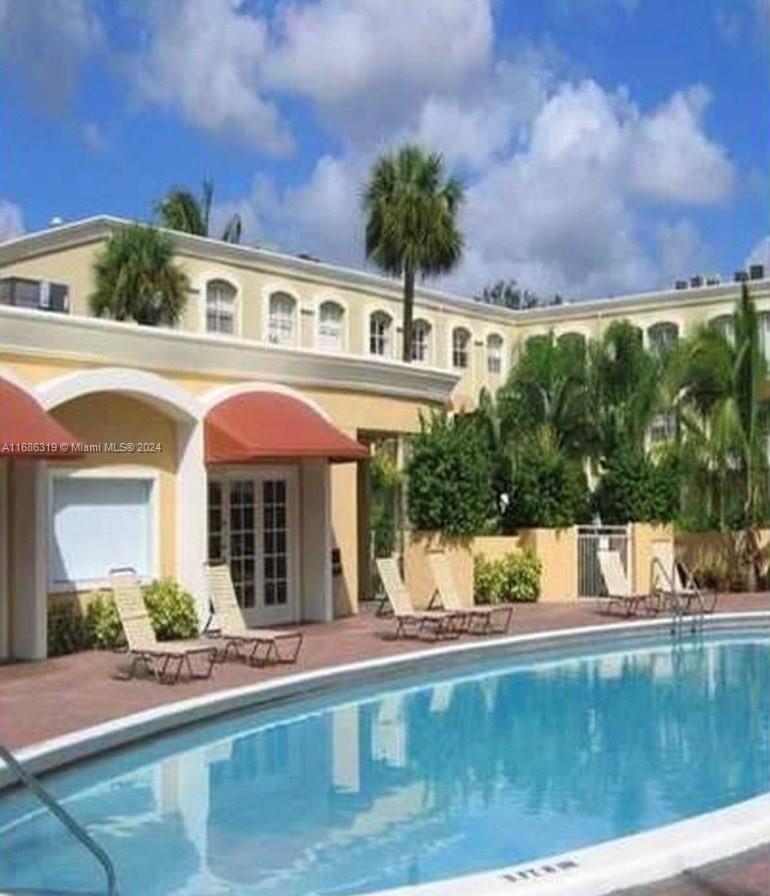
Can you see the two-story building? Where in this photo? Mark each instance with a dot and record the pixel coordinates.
(240, 434)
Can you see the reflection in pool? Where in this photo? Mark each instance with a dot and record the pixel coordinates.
(430, 781)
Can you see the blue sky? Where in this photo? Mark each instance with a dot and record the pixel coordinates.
(607, 146)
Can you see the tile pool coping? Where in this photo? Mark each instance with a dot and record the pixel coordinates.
(637, 859)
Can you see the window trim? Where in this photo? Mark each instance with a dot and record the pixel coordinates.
(345, 329)
(390, 353)
(118, 471)
(427, 361)
(468, 347)
(202, 287)
(268, 290)
(494, 334)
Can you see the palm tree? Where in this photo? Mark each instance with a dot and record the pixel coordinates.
(724, 409)
(137, 278)
(182, 210)
(411, 225)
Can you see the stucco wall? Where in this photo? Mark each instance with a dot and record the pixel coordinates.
(417, 573)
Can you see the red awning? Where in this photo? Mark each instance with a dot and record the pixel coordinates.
(28, 430)
(261, 426)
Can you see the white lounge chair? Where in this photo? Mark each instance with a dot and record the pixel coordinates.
(677, 583)
(448, 597)
(243, 641)
(165, 659)
(442, 623)
(617, 583)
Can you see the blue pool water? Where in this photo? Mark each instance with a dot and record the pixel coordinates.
(364, 791)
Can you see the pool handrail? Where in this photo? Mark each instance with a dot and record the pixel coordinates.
(58, 811)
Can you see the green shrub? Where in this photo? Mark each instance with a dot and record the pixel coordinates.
(515, 577)
(548, 490)
(633, 488)
(67, 630)
(171, 609)
(103, 624)
(449, 478)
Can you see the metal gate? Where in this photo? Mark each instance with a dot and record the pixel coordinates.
(592, 539)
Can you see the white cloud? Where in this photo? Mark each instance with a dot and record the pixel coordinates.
(11, 220)
(49, 41)
(673, 159)
(682, 249)
(204, 58)
(369, 63)
(94, 137)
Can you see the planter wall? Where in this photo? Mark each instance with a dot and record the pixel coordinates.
(417, 574)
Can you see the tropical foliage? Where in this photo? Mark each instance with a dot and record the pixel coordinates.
(180, 209)
(137, 278)
(450, 478)
(411, 227)
(508, 294)
(515, 577)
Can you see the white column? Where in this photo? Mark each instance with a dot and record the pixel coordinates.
(29, 559)
(192, 515)
(316, 544)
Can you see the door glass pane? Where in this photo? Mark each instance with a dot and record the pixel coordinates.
(275, 557)
(216, 545)
(241, 541)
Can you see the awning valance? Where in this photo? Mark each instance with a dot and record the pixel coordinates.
(28, 430)
(262, 426)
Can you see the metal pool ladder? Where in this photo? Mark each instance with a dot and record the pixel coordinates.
(678, 609)
(56, 809)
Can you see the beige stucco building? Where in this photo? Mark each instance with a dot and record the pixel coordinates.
(326, 338)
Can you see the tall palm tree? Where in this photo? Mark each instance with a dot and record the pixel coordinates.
(137, 278)
(180, 209)
(724, 408)
(411, 226)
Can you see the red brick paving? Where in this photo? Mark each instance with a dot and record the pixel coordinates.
(42, 700)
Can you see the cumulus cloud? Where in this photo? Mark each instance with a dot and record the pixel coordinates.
(11, 220)
(553, 189)
(204, 58)
(49, 43)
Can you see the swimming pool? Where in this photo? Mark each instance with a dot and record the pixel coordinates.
(496, 761)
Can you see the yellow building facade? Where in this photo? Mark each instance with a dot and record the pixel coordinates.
(293, 529)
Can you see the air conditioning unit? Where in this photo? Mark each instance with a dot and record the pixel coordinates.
(713, 280)
(696, 281)
(680, 284)
(757, 272)
(741, 276)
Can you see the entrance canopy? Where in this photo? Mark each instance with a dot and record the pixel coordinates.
(263, 426)
(28, 430)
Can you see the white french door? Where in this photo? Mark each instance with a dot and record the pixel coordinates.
(252, 517)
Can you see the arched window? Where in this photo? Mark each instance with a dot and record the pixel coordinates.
(662, 338)
(725, 324)
(220, 306)
(495, 354)
(421, 341)
(331, 326)
(461, 340)
(764, 333)
(282, 319)
(574, 341)
(380, 334)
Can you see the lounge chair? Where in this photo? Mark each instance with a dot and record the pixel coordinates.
(618, 586)
(165, 659)
(479, 620)
(442, 623)
(255, 645)
(677, 583)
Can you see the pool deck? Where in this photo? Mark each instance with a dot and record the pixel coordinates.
(42, 700)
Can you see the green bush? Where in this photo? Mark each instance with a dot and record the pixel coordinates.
(633, 488)
(171, 609)
(104, 628)
(548, 490)
(449, 478)
(515, 577)
(67, 630)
